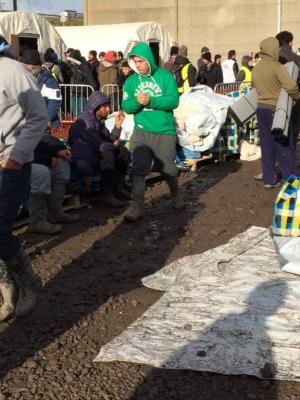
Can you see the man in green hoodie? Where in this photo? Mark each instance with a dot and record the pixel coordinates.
(151, 95)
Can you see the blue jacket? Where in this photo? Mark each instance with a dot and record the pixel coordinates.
(50, 90)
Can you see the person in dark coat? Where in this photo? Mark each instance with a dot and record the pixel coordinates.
(95, 149)
(48, 86)
(80, 75)
(184, 71)
(286, 54)
(93, 64)
(126, 72)
(173, 54)
(210, 73)
(200, 59)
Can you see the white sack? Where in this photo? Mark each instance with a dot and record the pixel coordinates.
(249, 152)
(200, 115)
(288, 250)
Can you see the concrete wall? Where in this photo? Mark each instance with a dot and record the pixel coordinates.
(219, 25)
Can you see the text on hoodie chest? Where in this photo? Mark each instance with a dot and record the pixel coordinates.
(150, 88)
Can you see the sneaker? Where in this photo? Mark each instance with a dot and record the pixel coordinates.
(259, 177)
(274, 186)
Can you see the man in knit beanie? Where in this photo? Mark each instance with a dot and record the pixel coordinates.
(173, 54)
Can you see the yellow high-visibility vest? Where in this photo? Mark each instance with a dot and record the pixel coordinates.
(184, 75)
(248, 76)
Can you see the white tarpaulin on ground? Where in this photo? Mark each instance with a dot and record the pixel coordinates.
(229, 310)
(116, 37)
(29, 24)
(200, 115)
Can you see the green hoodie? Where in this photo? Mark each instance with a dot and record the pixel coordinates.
(157, 117)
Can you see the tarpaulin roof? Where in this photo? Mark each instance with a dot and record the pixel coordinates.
(24, 23)
(118, 37)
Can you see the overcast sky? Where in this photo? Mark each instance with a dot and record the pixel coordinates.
(44, 6)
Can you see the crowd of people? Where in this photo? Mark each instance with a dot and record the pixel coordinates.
(31, 158)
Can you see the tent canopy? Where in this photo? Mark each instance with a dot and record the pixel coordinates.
(118, 37)
(29, 24)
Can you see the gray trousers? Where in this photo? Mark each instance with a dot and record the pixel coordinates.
(148, 148)
(42, 176)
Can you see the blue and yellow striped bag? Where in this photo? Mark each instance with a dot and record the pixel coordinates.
(286, 220)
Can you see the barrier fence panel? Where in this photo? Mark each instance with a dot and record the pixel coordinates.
(113, 92)
(225, 88)
(74, 99)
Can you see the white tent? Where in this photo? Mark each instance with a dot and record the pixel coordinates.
(116, 37)
(28, 25)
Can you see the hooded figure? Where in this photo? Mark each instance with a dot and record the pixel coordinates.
(90, 130)
(268, 78)
(93, 146)
(159, 84)
(150, 94)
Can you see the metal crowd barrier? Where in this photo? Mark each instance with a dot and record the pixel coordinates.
(113, 92)
(74, 99)
(225, 88)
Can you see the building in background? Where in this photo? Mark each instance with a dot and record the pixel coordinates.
(70, 14)
(220, 25)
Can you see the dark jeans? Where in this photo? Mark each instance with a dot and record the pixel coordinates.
(273, 151)
(13, 186)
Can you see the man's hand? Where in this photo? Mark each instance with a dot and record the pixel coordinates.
(119, 119)
(66, 154)
(143, 99)
(10, 164)
(117, 143)
(54, 162)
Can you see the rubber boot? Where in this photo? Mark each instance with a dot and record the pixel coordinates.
(28, 283)
(176, 199)
(120, 189)
(55, 200)
(136, 211)
(108, 199)
(38, 215)
(9, 292)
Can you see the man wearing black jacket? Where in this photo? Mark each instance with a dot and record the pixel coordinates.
(50, 172)
(286, 54)
(210, 74)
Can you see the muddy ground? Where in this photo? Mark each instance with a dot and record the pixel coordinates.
(92, 292)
